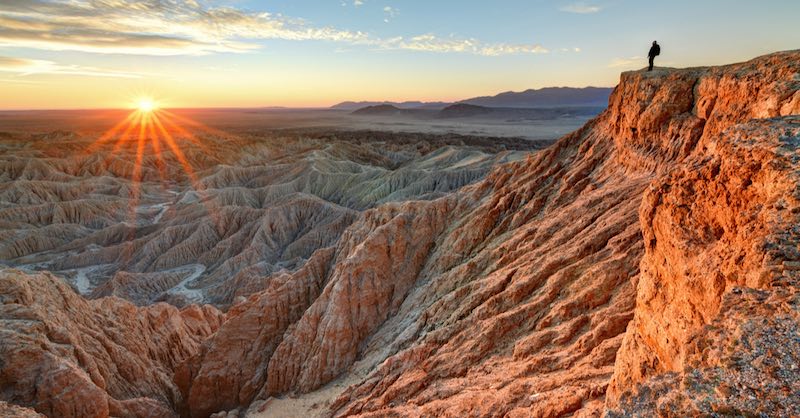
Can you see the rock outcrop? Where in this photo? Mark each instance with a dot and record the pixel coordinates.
(14, 411)
(65, 356)
(743, 363)
(525, 299)
(725, 221)
(721, 218)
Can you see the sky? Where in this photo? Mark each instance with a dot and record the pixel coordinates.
(77, 54)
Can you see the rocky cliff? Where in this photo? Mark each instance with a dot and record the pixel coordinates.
(520, 302)
(717, 228)
(65, 356)
(645, 264)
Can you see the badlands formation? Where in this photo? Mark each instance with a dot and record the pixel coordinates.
(214, 221)
(646, 264)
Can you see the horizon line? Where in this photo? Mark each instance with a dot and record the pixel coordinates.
(319, 107)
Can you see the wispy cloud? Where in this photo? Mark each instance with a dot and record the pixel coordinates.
(432, 43)
(626, 62)
(167, 27)
(581, 8)
(26, 67)
(175, 27)
(389, 13)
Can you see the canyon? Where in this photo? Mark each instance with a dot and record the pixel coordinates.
(208, 221)
(645, 264)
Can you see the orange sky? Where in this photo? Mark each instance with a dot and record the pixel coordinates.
(240, 53)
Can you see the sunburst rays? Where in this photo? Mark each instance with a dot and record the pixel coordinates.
(158, 137)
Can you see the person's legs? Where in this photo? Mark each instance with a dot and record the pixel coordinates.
(651, 64)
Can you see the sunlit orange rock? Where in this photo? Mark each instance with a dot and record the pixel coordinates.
(65, 356)
(520, 303)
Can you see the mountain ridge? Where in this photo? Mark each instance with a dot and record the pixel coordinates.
(471, 111)
(545, 97)
(531, 98)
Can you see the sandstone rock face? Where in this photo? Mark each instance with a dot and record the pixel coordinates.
(743, 363)
(719, 220)
(67, 357)
(727, 219)
(230, 368)
(379, 260)
(359, 286)
(556, 246)
(15, 411)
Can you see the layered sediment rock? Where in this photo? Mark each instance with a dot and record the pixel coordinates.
(242, 207)
(725, 221)
(719, 220)
(522, 307)
(65, 356)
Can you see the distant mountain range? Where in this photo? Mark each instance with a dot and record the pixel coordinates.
(546, 97)
(465, 110)
(386, 109)
(532, 98)
(399, 105)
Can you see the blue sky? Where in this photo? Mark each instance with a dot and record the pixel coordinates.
(86, 53)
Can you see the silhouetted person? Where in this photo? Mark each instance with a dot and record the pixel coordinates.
(655, 51)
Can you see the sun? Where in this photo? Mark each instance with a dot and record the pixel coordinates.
(146, 105)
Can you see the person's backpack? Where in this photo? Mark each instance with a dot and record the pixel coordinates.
(657, 51)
